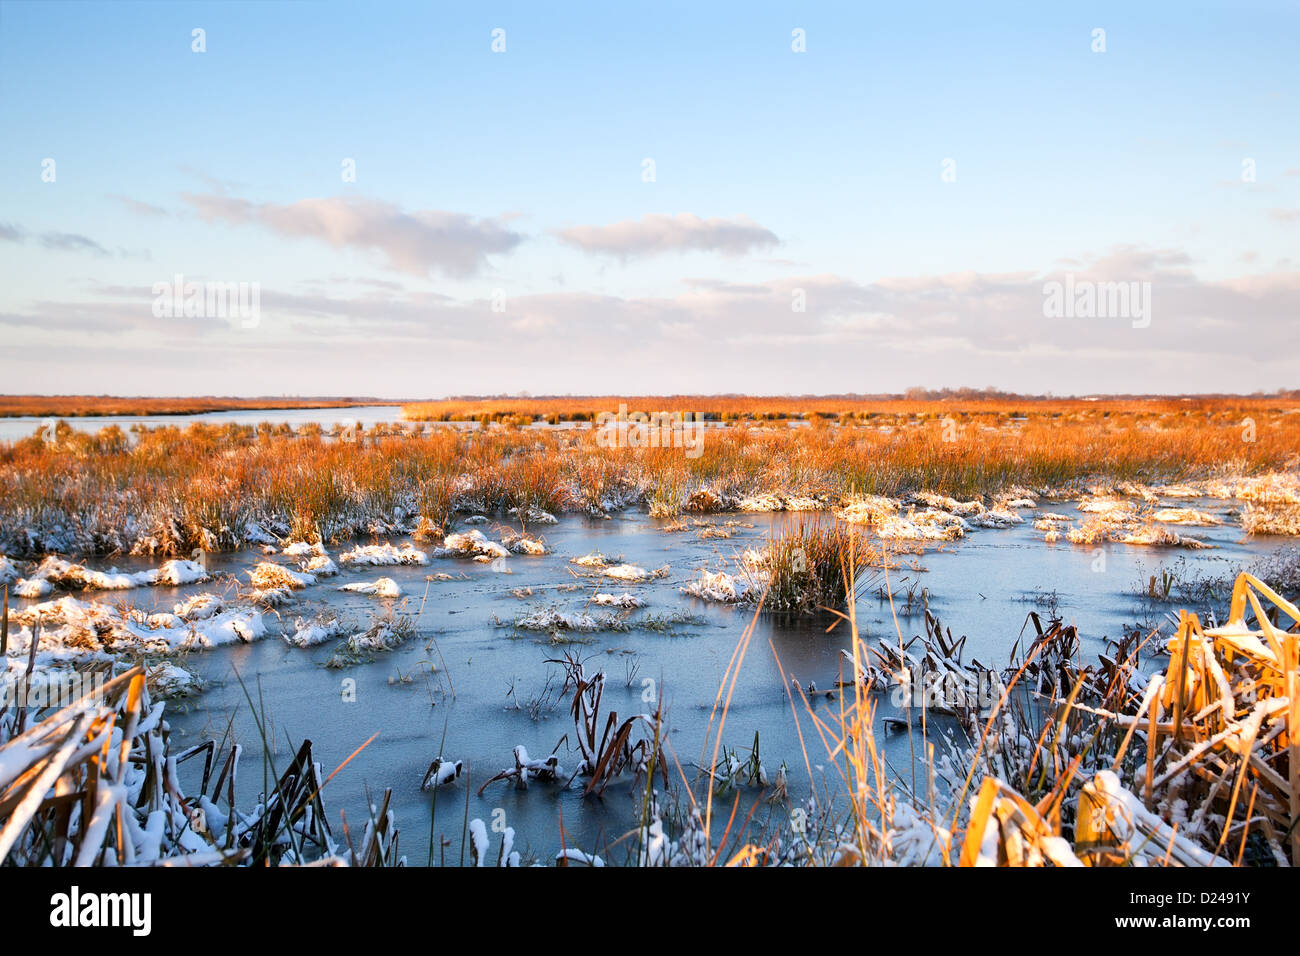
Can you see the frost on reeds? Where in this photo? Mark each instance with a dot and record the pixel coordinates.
(718, 586)
(115, 749)
(607, 747)
(1116, 522)
(1279, 520)
(799, 570)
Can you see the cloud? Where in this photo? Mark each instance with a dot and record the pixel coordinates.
(72, 242)
(418, 243)
(57, 241)
(141, 208)
(810, 333)
(654, 235)
(1285, 215)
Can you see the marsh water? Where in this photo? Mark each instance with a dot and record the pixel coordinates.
(471, 687)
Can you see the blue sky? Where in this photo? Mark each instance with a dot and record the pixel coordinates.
(515, 179)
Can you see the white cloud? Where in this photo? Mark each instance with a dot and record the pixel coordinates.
(654, 235)
(418, 243)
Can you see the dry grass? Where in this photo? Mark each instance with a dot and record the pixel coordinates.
(968, 402)
(171, 491)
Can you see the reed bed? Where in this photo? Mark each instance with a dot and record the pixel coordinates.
(170, 491)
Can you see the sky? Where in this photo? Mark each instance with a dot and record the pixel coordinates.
(436, 199)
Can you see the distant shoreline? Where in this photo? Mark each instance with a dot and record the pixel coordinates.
(722, 407)
(94, 406)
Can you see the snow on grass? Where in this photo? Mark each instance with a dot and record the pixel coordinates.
(553, 619)
(270, 577)
(384, 634)
(535, 516)
(56, 572)
(929, 525)
(633, 573)
(471, 544)
(377, 555)
(167, 681)
(321, 566)
(73, 629)
(384, 587)
(524, 544)
(302, 549)
(9, 572)
(626, 600)
(718, 586)
(996, 518)
(1123, 528)
(1283, 520)
(318, 631)
(1185, 516)
(199, 607)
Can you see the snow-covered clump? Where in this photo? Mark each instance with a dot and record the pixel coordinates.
(553, 619)
(9, 572)
(311, 633)
(923, 526)
(1186, 516)
(718, 586)
(632, 573)
(536, 516)
(871, 510)
(57, 572)
(471, 544)
(384, 587)
(523, 544)
(302, 549)
(321, 565)
(626, 599)
(377, 555)
(167, 681)
(996, 518)
(441, 772)
(269, 577)
(199, 607)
